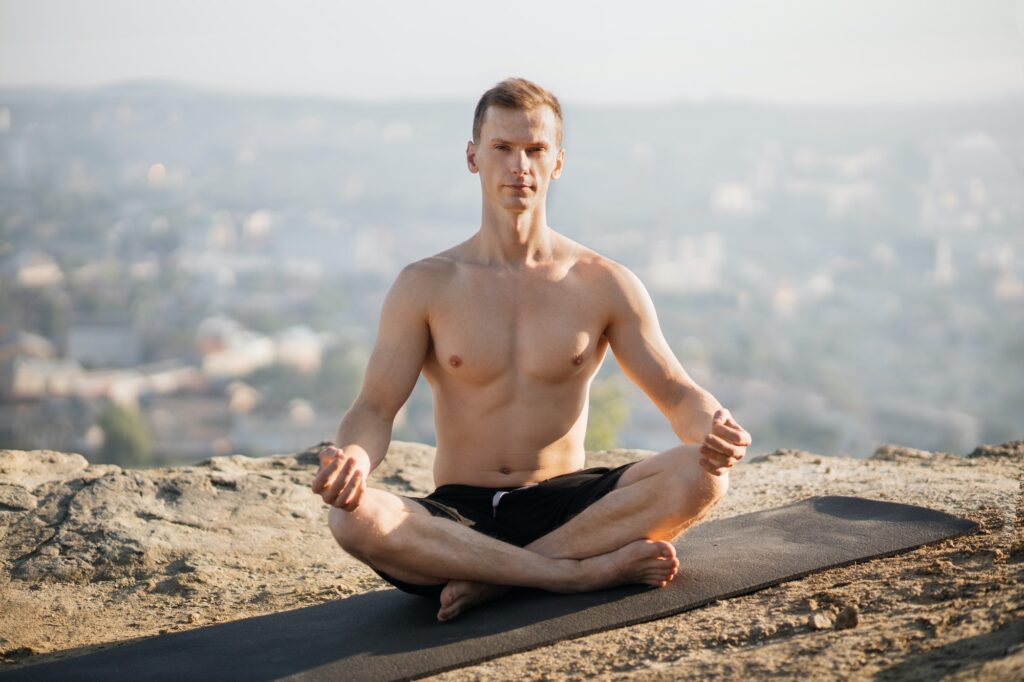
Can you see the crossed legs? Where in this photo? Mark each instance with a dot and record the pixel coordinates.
(623, 537)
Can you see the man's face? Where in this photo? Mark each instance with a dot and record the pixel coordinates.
(516, 157)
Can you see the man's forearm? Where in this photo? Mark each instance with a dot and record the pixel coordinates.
(367, 429)
(691, 418)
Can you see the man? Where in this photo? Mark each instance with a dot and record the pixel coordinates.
(509, 328)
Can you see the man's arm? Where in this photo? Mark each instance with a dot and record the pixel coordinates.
(399, 352)
(645, 357)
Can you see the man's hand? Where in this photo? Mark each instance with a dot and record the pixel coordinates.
(725, 445)
(341, 479)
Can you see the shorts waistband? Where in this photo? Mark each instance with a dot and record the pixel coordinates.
(461, 487)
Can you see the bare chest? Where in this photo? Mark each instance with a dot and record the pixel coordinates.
(487, 328)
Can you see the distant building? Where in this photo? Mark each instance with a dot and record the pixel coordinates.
(242, 398)
(735, 199)
(247, 352)
(170, 376)
(229, 350)
(35, 378)
(301, 348)
(27, 344)
(215, 333)
(943, 272)
(188, 427)
(1008, 288)
(686, 263)
(32, 269)
(28, 378)
(276, 432)
(105, 345)
(55, 423)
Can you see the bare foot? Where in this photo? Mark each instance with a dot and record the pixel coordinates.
(652, 562)
(644, 561)
(460, 595)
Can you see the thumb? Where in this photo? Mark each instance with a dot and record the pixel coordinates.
(720, 416)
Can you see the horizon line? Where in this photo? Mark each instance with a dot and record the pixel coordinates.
(1009, 97)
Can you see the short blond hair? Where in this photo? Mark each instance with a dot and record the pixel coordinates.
(517, 94)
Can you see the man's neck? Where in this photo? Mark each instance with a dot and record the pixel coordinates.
(514, 239)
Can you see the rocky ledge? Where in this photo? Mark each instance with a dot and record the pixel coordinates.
(94, 555)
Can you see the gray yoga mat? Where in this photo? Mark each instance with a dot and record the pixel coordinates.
(390, 635)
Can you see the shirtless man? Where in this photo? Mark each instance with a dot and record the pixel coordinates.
(509, 328)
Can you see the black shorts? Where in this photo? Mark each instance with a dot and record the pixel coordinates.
(517, 515)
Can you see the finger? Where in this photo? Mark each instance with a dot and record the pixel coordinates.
(731, 422)
(359, 496)
(346, 496)
(745, 438)
(325, 474)
(721, 415)
(344, 474)
(716, 458)
(723, 446)
(328, 471)
(734, 435)
(328, 454)
(353, 502)
(724, 430)
(710, 468)
(344, 480)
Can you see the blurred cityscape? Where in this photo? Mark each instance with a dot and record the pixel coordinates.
(185, 273)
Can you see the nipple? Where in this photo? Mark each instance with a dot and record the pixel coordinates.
(455, 361)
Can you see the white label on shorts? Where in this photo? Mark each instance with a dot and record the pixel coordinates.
(501, 493)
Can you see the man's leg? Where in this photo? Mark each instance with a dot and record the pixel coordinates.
(400, 537)
(657, 498)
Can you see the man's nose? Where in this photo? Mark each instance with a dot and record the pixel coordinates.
(521, 166)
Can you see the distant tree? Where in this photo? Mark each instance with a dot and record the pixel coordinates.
(126, 440)
(608, 414)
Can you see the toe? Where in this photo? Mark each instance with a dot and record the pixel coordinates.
(448, 612)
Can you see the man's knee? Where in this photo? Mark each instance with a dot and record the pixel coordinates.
(359, 532)
(697, 489)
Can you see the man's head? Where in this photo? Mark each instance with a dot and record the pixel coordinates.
(517, 144)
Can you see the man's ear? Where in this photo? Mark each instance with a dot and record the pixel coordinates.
(471, 157)
(559, 162)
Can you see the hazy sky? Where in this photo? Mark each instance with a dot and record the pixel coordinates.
(872, 51)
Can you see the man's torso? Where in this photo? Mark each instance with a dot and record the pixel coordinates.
(510, 360)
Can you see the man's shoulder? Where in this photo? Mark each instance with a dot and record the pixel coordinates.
(611, 275)
(426, 269)
(619, 289)
(419, 282)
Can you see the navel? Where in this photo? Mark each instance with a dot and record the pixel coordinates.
(455, 361)
(505, 470)
(577, 359)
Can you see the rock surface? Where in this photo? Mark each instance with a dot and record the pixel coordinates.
(94, 555)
